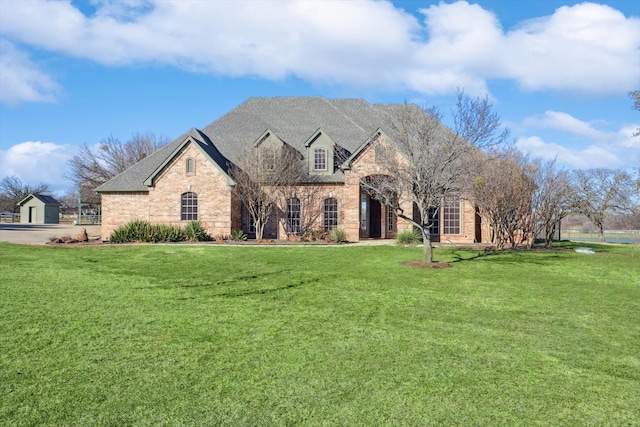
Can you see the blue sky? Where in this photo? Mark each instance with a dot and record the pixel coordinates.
(74, 72)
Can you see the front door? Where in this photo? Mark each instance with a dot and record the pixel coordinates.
(375, 218)
(32, 214)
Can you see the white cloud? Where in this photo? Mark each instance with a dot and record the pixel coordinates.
(22, 80)
(588, 47)
(593, 156)
(36, 162)
(592, 147)
(566, 123)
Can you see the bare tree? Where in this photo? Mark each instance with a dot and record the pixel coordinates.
(551, 199)
(427, 163)
(13, 190)
(262, 176)
(503, 193)
(635, 95)
(598, 192)
(95, 167)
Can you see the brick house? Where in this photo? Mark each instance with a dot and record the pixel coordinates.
(189, 179)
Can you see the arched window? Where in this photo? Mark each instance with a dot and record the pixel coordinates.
(293, 215)
(191, 166)
(189, 207)
(330, 214)
(320, 159)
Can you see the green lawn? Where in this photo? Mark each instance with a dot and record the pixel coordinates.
(335, 336)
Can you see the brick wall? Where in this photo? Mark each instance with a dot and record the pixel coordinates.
(120, 208)
(161, 204)
(208, 182)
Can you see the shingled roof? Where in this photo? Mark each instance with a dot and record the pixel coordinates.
(348, 122)
(46, 199)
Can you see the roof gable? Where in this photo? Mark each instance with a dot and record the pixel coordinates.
(150, 181)
(47, 200)
(295, 121)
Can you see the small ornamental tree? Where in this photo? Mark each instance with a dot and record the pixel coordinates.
(262, 176)
(426, 163)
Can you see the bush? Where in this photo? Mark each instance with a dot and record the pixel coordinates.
(195, 232)
(168, 233)
(408, 237)
(133, 231)
(144, 231)
(237, 236)
(314, 234)
(338, 235)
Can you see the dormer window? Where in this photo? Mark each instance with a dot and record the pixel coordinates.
(268, 158)
(320, 159)
(191, 166)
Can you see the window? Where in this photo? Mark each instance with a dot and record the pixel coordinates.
(451, 216)
(268, 158)
(189, 207)
(248, 224)
(363, 212)
(191, 166)
(390, 218)
(434, 220)
(293, 215)
(320, 159)
(330, 214)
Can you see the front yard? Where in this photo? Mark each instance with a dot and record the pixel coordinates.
(245, 335)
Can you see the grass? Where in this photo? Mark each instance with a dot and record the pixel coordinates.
(224, 335)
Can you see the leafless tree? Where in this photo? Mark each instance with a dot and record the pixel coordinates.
(427, 163)
(263, 175)
(503, 191)
(310, 207)
(551, 198)
(94, 167)
(13, 190)
(598, 192)
(635, 95)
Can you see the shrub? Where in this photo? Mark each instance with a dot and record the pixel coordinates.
(338, 235)
(408, 237)
(168, 233)
(237, 236)
(133, 231)
(195, 232)
(313, 234)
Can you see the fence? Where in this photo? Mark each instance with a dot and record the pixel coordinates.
(610, 236)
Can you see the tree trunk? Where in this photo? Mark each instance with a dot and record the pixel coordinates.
(259, 226)
(426, 243)
(600, 233)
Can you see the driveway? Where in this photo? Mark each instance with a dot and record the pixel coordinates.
(40, 234)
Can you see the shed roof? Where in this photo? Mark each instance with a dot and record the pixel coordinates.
(46, 199)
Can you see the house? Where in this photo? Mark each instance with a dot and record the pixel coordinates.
(39, 209)
(190, 179)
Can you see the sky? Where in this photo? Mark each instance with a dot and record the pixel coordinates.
(75, 72)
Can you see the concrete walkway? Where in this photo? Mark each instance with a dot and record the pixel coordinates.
(40, 234)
